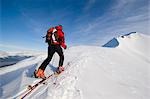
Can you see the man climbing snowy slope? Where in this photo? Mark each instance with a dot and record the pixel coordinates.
(56, 40)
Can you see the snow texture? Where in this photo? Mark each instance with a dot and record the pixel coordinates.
(118, 70)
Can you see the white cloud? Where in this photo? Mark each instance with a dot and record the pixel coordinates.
(120, 4)
(89, 4)
(14, 47)
(17, 47)
(122, 17)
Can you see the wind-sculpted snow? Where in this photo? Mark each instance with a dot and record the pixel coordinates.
(132, 40)
(112, 43)
(91, 72)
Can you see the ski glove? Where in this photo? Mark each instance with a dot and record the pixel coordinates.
(64, 46)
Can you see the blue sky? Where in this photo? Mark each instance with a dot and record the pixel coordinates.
(85, 22)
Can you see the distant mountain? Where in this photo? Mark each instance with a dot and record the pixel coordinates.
(3, 54)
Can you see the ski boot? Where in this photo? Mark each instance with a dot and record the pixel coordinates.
(39, 74)
(60, 69)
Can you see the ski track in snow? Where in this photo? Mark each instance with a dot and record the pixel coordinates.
(120, 72)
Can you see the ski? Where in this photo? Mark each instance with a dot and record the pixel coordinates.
(30, 88)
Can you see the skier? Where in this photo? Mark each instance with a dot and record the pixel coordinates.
(55, 39)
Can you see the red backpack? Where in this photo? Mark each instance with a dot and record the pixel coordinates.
(52, 36)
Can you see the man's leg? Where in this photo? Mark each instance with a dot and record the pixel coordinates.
(61, 59)
(51, 51)
(40, 72)
(61, 55)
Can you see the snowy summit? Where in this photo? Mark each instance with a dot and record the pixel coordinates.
(117, 70)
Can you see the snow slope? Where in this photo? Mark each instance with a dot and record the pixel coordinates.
(92, 72)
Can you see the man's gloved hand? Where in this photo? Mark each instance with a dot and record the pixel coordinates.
(64, 46)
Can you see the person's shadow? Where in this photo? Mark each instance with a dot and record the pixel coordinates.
(53, 68)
